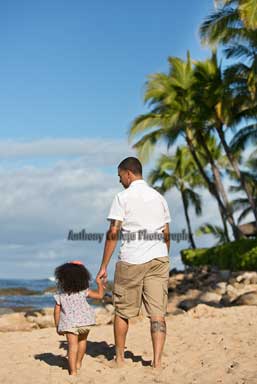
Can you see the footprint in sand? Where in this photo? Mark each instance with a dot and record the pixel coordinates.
(73, 380)
(114, 365)
(102, 360)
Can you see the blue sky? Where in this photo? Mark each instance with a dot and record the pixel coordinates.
(72, 79)
(76, 69)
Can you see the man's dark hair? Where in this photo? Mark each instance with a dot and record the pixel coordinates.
(131, 164)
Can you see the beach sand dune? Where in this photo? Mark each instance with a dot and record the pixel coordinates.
(205, 345)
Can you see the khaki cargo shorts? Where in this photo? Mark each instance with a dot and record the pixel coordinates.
(147, 282)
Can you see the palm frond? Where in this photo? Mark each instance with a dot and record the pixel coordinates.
(248, 13)
(237, 51)
(215, 230)
(244, 214)
(239, 204)
(234, 71)
(244, 136)
(144, 123)
(157, 88)
(145, 146)
(195, 200)
(220, 26)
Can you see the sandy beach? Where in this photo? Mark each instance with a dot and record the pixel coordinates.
(205, 345)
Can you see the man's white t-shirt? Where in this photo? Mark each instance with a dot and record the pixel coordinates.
(144, 213)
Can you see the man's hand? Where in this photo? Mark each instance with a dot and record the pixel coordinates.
(109, 247)
(102, 274)
(166, 235)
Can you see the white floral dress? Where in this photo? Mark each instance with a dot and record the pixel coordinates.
(75, 310)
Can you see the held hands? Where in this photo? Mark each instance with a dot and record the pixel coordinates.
(100, 281)
(102, 274)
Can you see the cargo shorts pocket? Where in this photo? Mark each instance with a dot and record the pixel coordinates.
(165, 298)
(126, 301)
(118, 295)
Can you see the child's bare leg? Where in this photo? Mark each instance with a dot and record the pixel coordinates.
(82, 346)
(72, 352)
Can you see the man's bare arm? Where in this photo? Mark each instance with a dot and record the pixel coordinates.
(166, 233)
(109, 246)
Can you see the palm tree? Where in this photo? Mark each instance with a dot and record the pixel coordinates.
(218, 161)
(176, 113)
(243, 71)
(222, 109)
(230, 21)
(179, 171)
(248, 13)
(242, 204)
(233, 25)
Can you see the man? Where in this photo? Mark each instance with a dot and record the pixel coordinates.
(142, 272)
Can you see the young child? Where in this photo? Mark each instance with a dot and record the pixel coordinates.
(72, 314)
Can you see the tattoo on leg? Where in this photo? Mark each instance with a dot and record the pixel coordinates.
(158, 326)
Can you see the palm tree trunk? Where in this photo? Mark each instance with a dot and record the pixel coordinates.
(191, 238)
(211, 186)
(224, 222)
(236, 168)
(219, 185)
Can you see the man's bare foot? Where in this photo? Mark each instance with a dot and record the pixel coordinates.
(156, 367)
(117, 364)
(72, 379)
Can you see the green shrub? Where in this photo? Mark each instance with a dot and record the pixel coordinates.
(237, 255)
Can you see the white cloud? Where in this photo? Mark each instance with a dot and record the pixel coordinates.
(39, 205)
(103, 151)
(45, 203)
(39, 260)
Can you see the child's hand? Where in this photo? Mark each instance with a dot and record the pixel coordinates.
(59, 333)
(100, 281)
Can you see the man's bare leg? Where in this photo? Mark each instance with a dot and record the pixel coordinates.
(120, 333)
(158, 333)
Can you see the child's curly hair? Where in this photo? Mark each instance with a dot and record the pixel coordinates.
(72, 278)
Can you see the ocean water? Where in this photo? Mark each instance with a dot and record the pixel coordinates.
(35, 285)
(36, 301)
